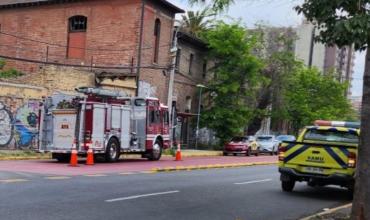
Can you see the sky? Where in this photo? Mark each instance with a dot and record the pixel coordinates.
(278, 13)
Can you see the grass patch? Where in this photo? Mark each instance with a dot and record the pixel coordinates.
(22, 154)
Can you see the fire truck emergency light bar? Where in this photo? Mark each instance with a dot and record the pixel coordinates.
(346, 124)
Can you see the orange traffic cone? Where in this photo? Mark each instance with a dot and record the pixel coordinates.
(74, 160)
(90, 157)
(178, 153)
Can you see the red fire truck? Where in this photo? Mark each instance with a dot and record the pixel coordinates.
(109, 122)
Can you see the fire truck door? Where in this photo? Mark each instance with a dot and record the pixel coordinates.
(125, 127)
(98, 129)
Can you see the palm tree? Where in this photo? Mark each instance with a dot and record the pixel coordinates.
(217, 5)
(195, 23)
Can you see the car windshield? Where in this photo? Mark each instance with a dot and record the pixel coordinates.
(264, 138)
(331, 136)
(238, 139)
(285, 138)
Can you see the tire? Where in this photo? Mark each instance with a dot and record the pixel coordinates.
(156, 152)
(287, 185)
(61, 158)
(257, 153)
(112, 152)
(224, 153)
(249, 153)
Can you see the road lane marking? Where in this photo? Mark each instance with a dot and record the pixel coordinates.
(127, 173)
(57, 177)
(13, 180)
(254, 181)
(95, 175)
(141, 196)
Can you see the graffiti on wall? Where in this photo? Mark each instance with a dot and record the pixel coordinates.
(19, 128)
(146, 90)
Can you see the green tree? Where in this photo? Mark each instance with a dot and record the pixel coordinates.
(196, 23)
(310, 95)
(217, 5)
(236, 74)
(346, 22)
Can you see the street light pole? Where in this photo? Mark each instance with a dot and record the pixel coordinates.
(200, 86)
(170, 85)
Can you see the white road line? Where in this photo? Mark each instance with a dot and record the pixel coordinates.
(141, 196)
(254, 181)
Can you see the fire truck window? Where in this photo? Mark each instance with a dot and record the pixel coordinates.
(140, 102)
(152, 116)
(165, 118)
(157, 116)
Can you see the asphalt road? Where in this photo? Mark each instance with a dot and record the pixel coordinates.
(249, 193)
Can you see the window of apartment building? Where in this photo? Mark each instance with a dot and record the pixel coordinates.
(178, 58)
(204, 69)
(77, 26)
(191, 61)
(157, 35)
(188, 104)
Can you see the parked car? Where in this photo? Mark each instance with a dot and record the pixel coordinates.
(282, 138)
(242, 145)
(268, 144)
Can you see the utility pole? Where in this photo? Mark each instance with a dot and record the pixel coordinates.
(170, 86)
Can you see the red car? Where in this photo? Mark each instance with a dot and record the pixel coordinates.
(241, 145)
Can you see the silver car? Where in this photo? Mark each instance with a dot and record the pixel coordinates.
(268, 144)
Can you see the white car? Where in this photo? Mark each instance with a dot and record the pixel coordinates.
(268, 144)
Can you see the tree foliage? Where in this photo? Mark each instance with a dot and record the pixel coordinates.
(196, 22)
(346, 22)
(236, 74)
(216, 5)
(8, 73)
(310, 95)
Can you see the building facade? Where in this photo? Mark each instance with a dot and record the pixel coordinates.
(60, 45)
(325, 58)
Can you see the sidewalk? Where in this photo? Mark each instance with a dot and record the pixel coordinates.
(339, 213)
(167, 163)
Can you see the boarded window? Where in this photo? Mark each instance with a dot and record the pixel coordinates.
(157, 36)
(77, 37)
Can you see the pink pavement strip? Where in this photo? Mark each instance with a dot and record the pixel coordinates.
(51, 167)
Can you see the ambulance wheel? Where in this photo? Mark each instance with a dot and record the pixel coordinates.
(156, 152)
(112, 152)
(287, 185)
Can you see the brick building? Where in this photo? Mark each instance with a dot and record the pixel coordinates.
(63, 44)
(192, 68)
(116, 40)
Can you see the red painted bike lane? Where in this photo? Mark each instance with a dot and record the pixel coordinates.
(51, 167)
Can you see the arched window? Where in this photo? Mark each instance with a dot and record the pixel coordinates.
(157, 36)
(77, 26)
(78, 23)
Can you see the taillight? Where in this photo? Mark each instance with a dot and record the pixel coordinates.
(352, 160)
(282, 151)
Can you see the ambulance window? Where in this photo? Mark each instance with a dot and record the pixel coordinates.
(331, 136)
(140, 102)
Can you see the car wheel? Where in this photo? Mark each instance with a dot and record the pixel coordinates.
(287, 185)
(248, 154)
(112, 152)
(156, 152)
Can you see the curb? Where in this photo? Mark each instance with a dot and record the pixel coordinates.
(212, 166)
(24, 158)
(327, 211)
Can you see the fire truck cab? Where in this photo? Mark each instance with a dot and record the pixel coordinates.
(107, 121)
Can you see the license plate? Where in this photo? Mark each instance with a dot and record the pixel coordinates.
(313, 170)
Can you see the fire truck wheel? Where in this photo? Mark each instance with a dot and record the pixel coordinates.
(61, 158)
(156, 152)
(112, 152)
